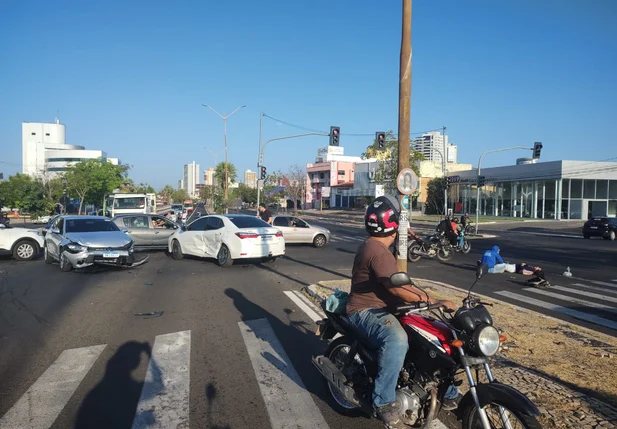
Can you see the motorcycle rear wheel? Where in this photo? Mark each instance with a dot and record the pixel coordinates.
(337, 352)
(466, 247)
(412, 250)
(443, 254)
(471, 419)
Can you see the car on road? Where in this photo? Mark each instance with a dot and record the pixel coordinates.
(82, 241)
(147, 230)
(605, 227)
(24, 244)
(296, 230)
(42, 220)
(227, 238)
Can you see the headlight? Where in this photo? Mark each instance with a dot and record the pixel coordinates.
(487, 340)
(76, 248)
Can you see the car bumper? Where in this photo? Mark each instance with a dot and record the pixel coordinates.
(600, 232)
(121, 258)
(263, 251)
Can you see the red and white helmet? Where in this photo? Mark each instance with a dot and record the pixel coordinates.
(382, 216)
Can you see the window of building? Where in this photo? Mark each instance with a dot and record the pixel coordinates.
(33, 134)
(341, 172)
(589, 189)
(565, 188)
(47, 134)
(576, 189)
(321, 175)
(601, 189)
(612, 190)
(576, 209)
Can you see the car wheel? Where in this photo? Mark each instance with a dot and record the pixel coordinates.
(48, 258)
(224, 257)
(176, 250)
(319, 241)
(65, 264)
(25, 250)
(611, 235)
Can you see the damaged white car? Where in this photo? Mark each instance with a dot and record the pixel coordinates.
(82, 241)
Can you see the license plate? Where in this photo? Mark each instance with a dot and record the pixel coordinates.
(594, 227)
(111, 255)
(266, 237)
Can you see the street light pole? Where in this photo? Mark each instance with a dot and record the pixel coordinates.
(478, 177)
(224, 117)
(444, 162)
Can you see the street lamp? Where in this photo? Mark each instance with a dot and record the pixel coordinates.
(64, 183)
(224, 117)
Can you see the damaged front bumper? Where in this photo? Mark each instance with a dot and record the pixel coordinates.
(109, 257)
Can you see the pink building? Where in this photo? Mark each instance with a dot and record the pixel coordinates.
(321, 176)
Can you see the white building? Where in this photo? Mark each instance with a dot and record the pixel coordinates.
(191, 178)
(209, 178)
(250, 179)
(431, 145)
(45, 152)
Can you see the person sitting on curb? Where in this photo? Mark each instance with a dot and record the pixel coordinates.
(493, 259)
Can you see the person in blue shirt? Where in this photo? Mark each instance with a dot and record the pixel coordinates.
(493, 259)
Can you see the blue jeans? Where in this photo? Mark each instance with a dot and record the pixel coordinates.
(385, 332)
(498, 268)
(461, 240)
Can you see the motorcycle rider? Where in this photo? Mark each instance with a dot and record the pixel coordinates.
(371, 296)
(493, 259)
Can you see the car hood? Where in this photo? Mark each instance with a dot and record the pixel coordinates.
(99, 239)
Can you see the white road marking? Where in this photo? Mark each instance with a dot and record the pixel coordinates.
(596, 288)
(581, 302)
(314, 316)
(164, 401)
(553, 307)
(614, 280)
(287, 401)
(587, 294)
(40, 406)
(597, 282)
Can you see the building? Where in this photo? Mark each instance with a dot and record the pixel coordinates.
(45, 152)
(181, 184)
(542, 190)
(430, 170)
(191, 178)
(250, 179)
(432, 145)
(363, 188)
(209, 178)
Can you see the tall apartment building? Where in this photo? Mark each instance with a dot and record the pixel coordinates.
(209, 179)
(250, 179)
(431, 145)
(191, 178)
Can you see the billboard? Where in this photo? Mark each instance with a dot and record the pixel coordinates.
(330, 150)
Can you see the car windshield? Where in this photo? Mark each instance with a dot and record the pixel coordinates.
(90, 225)
(130, 203)
(248, 222)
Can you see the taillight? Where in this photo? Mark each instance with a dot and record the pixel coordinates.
(243, 235)
(279, 234)
(605, 224)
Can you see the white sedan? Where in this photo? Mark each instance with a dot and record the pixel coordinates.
(226, 238)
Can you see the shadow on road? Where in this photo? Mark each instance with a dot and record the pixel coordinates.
(340, 249)
(211, 393)
(112, 402)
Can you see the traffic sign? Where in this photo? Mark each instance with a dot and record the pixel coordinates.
(407, 181)
(405, 202)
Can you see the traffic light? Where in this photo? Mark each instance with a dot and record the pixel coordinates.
(380, 140)
(537, 148)
(264, 173)
(335, 133)
(481, 181)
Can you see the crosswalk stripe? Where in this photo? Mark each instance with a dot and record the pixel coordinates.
(553, 307)
(577, 301)
(312, 314)
(40, 406)
(597, 282)
(596, 288)
(587, 294)
(165, 395)
(287, 401)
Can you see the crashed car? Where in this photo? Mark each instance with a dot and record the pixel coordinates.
(83, 241)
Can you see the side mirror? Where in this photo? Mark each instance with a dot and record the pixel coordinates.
(124, 230)
(184, 228)
(482, 268)
(55, 231)
(400, 279)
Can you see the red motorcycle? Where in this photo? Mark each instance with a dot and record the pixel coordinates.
(441, 346)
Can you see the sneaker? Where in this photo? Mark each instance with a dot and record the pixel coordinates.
(390, 415)
(451, 404)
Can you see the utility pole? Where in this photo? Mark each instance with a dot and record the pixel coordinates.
(444, 162)
(404, 119)
(259, 159)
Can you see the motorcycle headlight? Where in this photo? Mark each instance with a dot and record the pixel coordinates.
(76, 248)
(487, 340)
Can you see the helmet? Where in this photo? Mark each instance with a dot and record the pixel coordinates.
(455, 220)
(382, 216)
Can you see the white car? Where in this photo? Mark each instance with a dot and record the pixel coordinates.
(227, 238)
(24, 244)
(42, 219)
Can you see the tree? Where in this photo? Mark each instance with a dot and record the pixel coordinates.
(167, 192)
(179, 195)
(296, 184)
(246, 194)
(145, 188)
(219, 173)
(388, 168)
(434, 196)
(25, 193)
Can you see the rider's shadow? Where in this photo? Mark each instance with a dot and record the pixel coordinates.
(112, 402)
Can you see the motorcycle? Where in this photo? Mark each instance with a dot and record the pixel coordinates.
(466, 247)
(433, 245)
(470, 228)
(442, 346)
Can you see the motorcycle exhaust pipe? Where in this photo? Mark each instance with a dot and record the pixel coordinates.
(337, 380)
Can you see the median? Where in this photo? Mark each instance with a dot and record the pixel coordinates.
(566, 370)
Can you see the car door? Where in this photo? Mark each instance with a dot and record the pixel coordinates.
(140, 230)
(213, 236)
(290, 234)
(5, 238)
(301, 230)
(53, 238)
(192, 240)
(161, 235)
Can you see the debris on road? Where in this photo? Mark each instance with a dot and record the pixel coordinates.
(150, 315)
(148, 283)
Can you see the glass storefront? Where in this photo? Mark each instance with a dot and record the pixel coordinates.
(542, 199)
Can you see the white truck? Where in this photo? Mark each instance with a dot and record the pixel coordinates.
(131, 203)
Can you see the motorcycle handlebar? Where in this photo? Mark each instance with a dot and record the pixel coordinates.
(419, 306)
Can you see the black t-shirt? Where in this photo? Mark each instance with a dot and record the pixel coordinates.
(265, 215)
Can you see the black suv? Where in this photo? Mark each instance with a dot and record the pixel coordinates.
(605, 227)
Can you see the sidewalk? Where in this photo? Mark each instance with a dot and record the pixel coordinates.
(567, 371)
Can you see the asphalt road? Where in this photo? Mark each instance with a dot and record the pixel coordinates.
(232, 346)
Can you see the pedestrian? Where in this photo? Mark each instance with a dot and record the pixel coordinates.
(265, 214)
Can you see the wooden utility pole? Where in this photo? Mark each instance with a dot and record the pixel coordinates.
(404, 119)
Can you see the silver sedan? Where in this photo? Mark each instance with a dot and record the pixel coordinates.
(147, 230)
(296, 230)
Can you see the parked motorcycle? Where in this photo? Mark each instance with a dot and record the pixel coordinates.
(441, 345)
(433, 245)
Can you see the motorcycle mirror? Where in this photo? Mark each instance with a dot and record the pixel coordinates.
(480, 271)
(400, 279)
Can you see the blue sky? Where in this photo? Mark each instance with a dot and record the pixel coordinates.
(130, 77)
